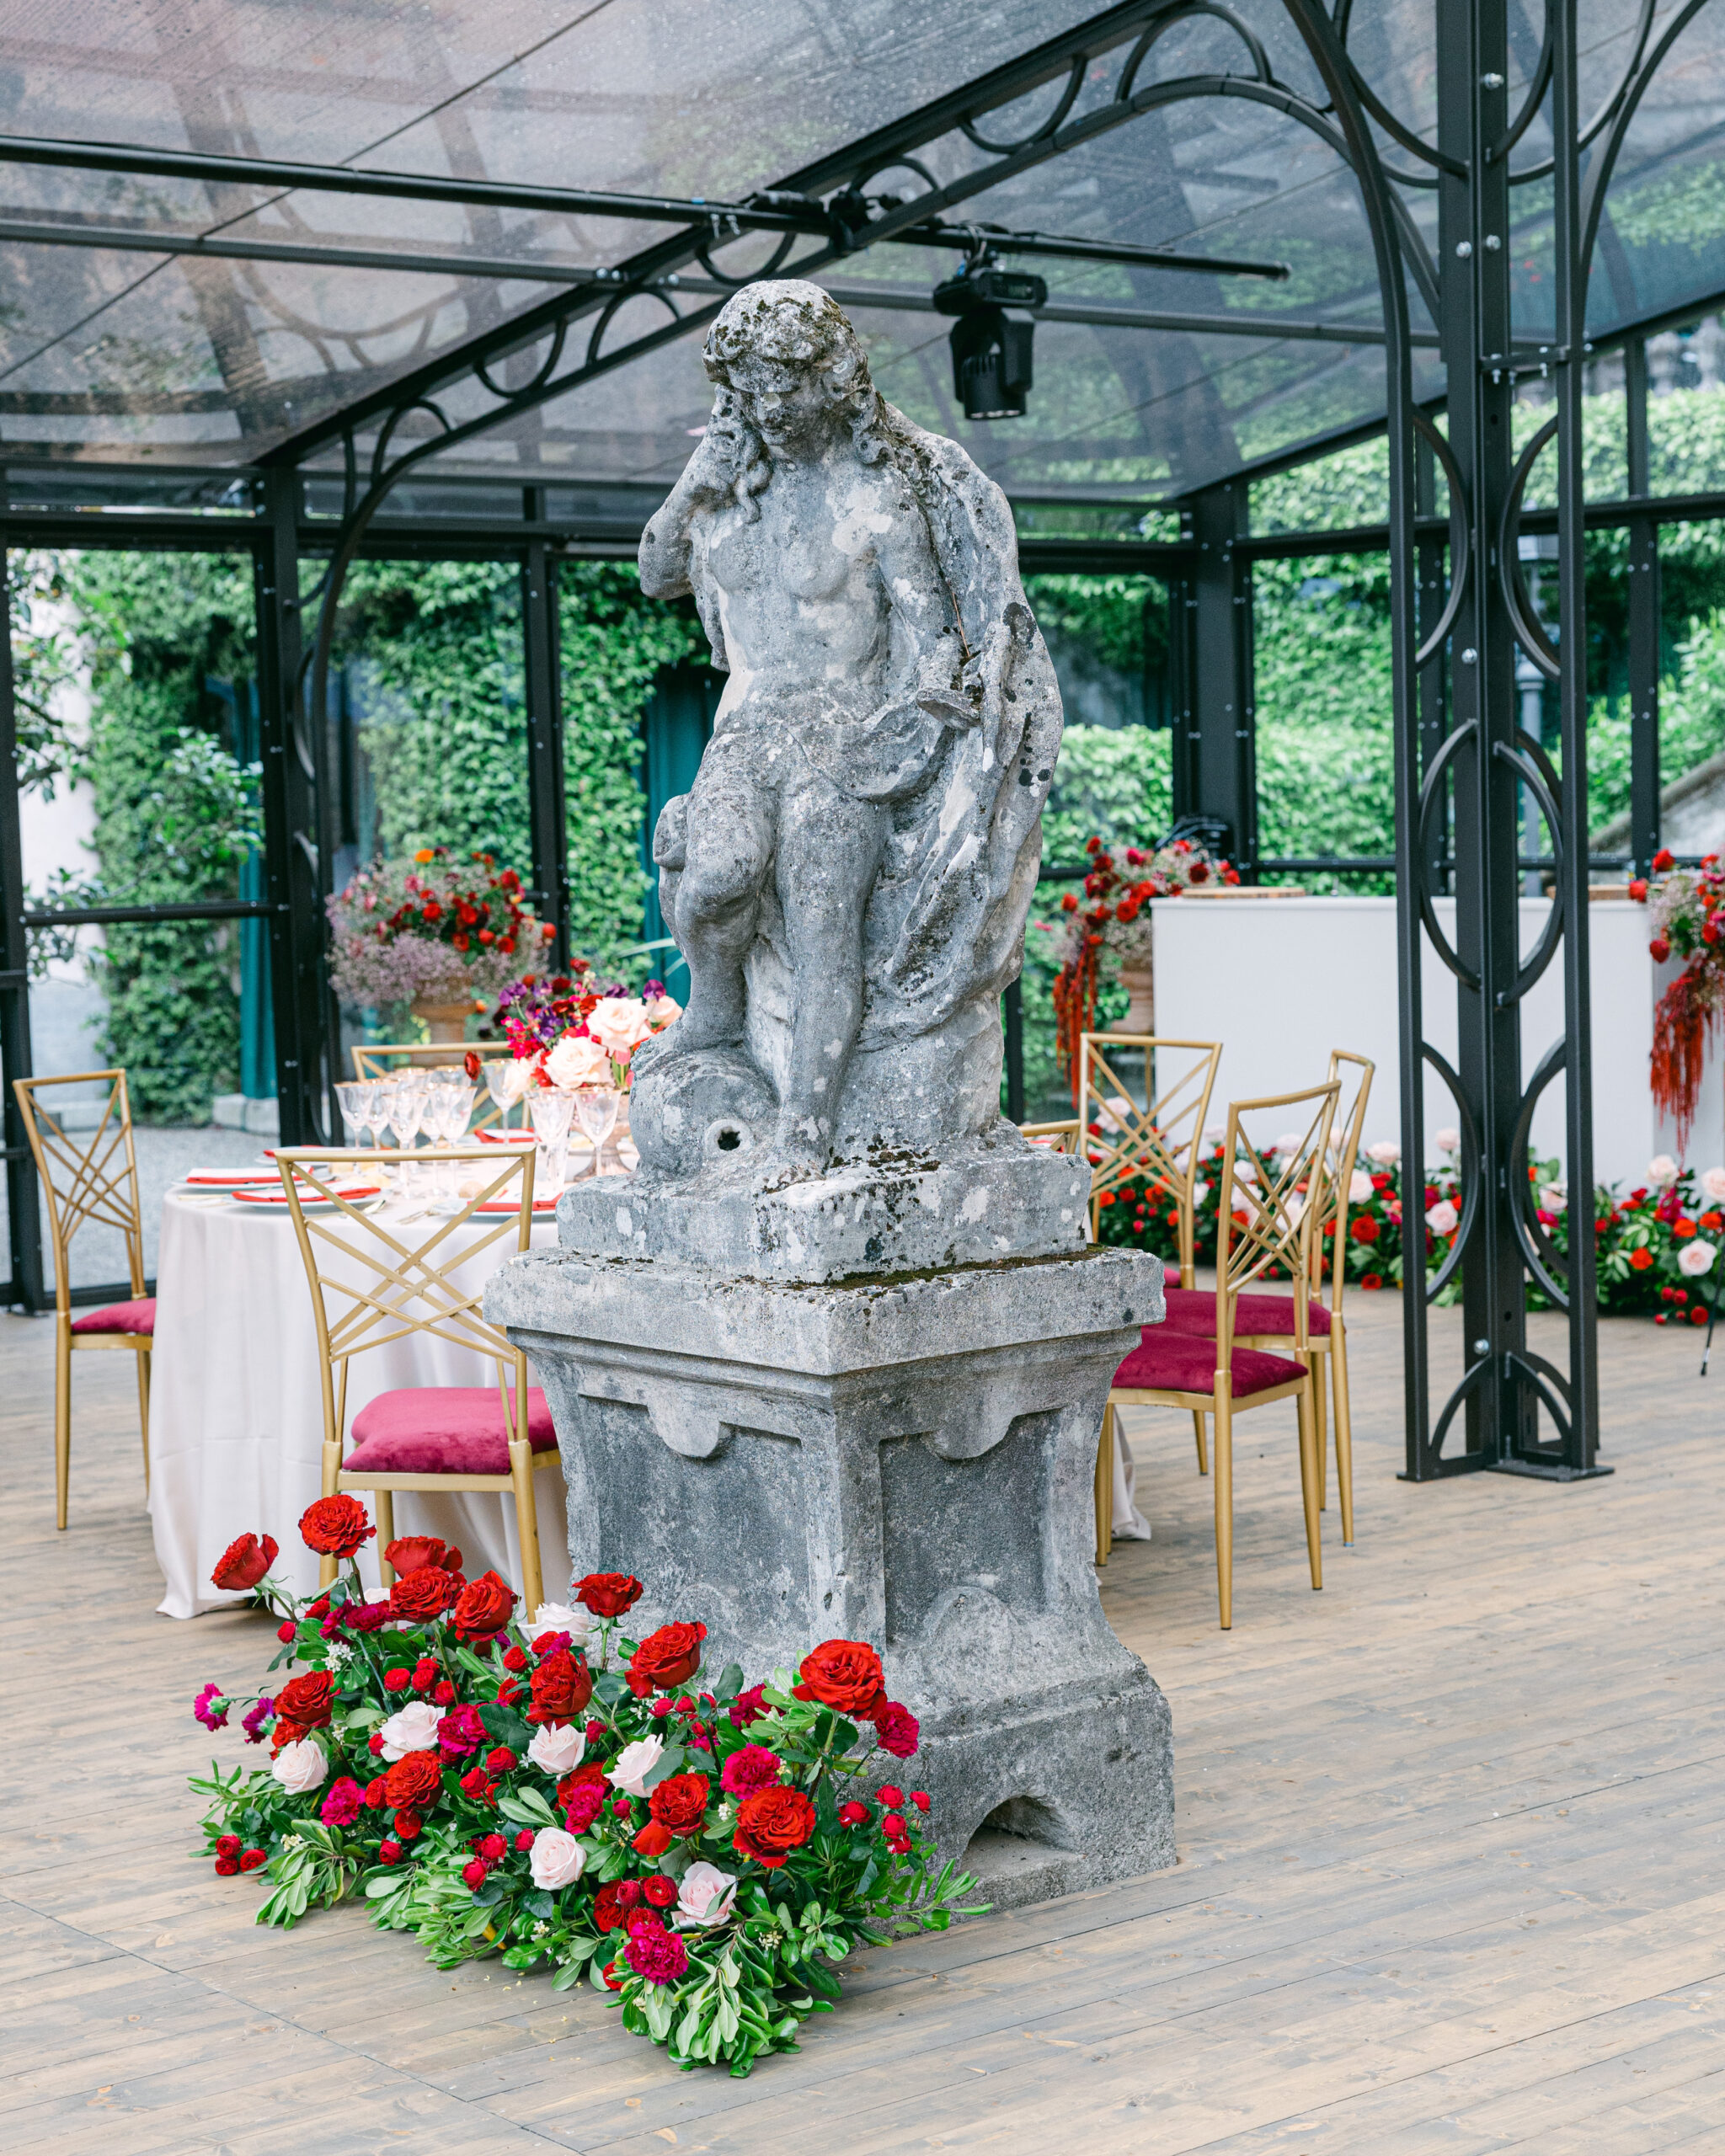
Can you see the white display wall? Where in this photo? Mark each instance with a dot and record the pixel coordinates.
(1280, 982)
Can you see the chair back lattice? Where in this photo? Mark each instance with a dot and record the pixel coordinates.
(1270, 1202)
(86, 1176)
(380, 1059)
(1056, 1137)
(375, 1278)
(1344, 1151)
(1164, 1139)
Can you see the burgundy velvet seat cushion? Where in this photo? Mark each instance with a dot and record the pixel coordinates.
(1193, 1310)
(139, 1316)
(441, 1430)
(1186, 1362)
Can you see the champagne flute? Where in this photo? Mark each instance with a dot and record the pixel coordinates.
(550, 1111)
(350, 1097)
(506, 1079)
(597, 1106)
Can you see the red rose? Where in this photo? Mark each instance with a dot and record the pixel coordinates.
(896, 1729)
(563, 1685)
(412, 1553)
(424, 1673)
(335, 1527)
(413, 1782)
(666, 1659)
(501, 1761)
(679, 1803)
(890, 1795)
(252, 1858)
(485, 1607)
(286, 1733)
(652, 1840)
(407, 1826)
(893, 1826)
(397, 1680)
(845, 1674)
(771, 1824)
(473, 1871)
(608, 1594)
(476, 1785)
(376, 1792)
(493, 1848)
(516, 1659)
(227, 1846)
(419, 1597)
(607, 1909)
(921, 1799)
(389, 1852)
(285, 1632)
(227, 1866)
(853, 1815)
(308, 1701)
(243, 1563)
(659, 1891)
(1364, 1230)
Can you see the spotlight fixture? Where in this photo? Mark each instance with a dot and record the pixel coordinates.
(991, 371)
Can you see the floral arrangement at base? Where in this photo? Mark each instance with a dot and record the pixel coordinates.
(1111, 922)
(1689, 923)
(572, 1031)
(431, 929)
(571, 1800)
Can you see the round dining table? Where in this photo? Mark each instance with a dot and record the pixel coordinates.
(236, 1411)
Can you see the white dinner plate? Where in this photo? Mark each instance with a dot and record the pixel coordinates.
(275, 1201)
(227, 1178)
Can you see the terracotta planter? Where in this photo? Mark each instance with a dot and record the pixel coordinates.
(1138, 979)
(445, 1022)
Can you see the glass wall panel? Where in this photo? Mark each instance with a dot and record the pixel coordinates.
(1686, 408)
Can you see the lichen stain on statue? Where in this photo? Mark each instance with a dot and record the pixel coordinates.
(849, 875)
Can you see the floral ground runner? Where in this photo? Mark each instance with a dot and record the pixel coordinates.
(569, 1799)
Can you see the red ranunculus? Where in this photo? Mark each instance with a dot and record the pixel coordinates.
(658, 1891)
(771, 1824)
(563, 1685)
(896, 1729)
(251, 1858)
(485, 1607)
(1364, 1230)
(413, 1782)
(335, 1527)
(424, 1593)
(845, 1674)
(228, 1845)
(608, 1594)
(678, 1803)
(308, 1701)
(666, 1659)
(243, 1563)
(412, 1553)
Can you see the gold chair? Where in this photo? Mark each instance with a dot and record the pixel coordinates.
(93, 1178)
(372, 1283)
(1165, 1138)
(1264, 1220)
(1268, 1321)
(370, 1063)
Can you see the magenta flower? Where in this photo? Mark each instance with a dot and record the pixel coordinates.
(344, 1804)
(896, 1729)
(751, 1768)
(460, 1733)
(656, 1953)
(211, 1708)
(253, 1723)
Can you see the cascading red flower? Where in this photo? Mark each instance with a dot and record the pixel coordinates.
(244, 1562)
(335, 1527)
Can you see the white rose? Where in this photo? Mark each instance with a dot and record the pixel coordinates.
(1441, 1217)
(1215, 1133)
(411, 1728)
(1554, 1197)
(1448, 1140)
(1386, 1152)
(1359, 1187)
(1713, 1184)
(705, 1894)
(633, 1763)
(301, 1767)
(557, 1749)
(1697, 1257)
(662, 1010)
(1290, 1142)
(556, 1617)
(557, 1859)
(1662, 1171)
(576, 1061)
(1200, 1191)
(619, 1023)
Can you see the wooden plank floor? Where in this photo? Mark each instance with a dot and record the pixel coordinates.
(1452, 1876)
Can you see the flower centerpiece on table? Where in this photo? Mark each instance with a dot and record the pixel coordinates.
(439, 934)
(1689, 923)
(575, 1801)
(574, 1033)
(1111, 922)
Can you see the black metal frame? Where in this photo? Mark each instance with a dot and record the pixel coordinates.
(1462, 769)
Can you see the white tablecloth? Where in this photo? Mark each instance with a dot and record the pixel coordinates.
(236, 1418)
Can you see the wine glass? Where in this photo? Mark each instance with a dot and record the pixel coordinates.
(351, 1098)
(505, 1080)
(407, 1110)
(597, 1107)
(550, 1111)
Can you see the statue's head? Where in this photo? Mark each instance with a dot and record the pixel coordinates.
(793, 363)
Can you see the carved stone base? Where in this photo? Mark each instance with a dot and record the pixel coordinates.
(893, 1212)
(909, 1461)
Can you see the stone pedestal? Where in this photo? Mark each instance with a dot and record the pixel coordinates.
(904, 1457)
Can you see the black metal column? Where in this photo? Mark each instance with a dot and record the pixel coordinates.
(1225, 765)
(23, 1211)
(293, 854)
(1429, 571)
(547, 807)
(1643, 627)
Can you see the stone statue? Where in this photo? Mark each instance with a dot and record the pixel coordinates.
(849, 875)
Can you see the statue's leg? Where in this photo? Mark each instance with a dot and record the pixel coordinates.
(829, 851)
(728, 855)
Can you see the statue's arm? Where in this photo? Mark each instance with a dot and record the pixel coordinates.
(710, 476)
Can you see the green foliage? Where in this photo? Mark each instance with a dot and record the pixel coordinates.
(175, 813)
(1112, 783)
